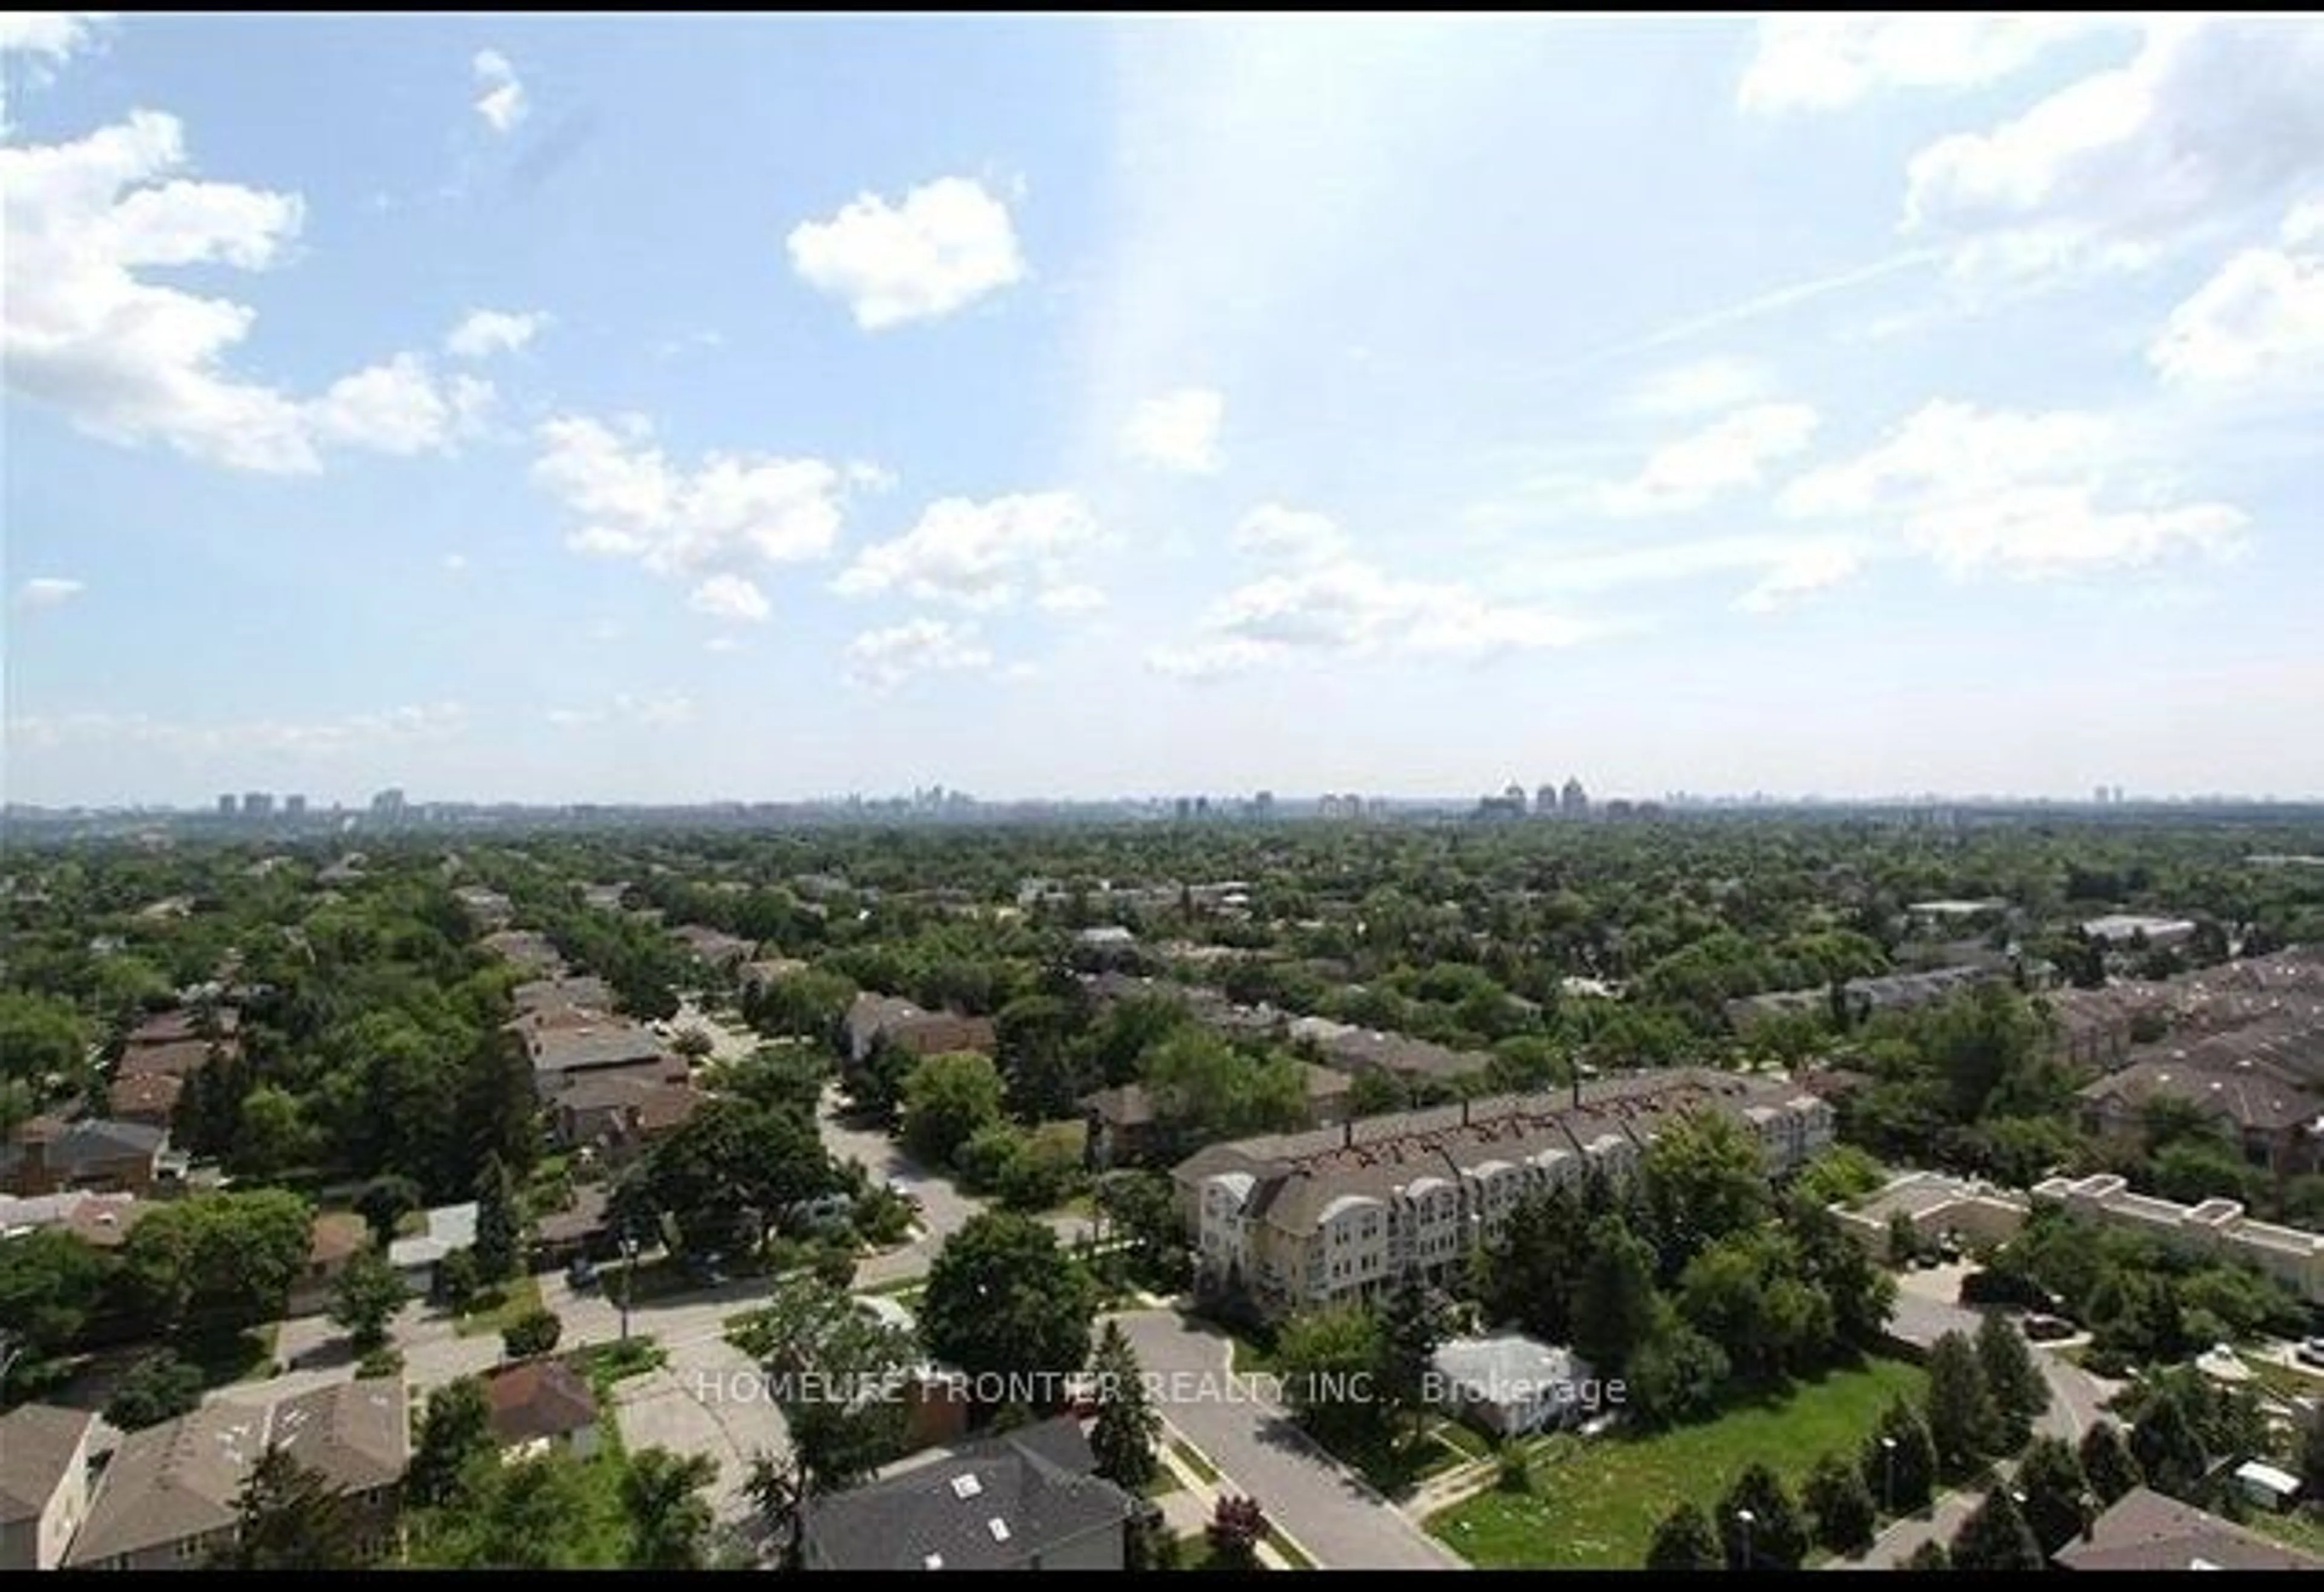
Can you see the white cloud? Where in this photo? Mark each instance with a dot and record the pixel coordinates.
(2020, 495)
(731, 597)
(1177, 431)
(500, 100)
(47, 591)
(399, 407)
(1730, 452)
(1343, 605)
(1817, 566)
(1289, 536)
(1822, 63)
(635, 503)
(456, 563)
(2209, 120)
(721, 644)
(976, 553)
(33, 42)
(132, 361)
(2263, 313)
(356, 732)
(946, 245)
(884, 659)
(482, 333)
(1697, 388)
(1076, 597)
(573, 718)
(659, 711)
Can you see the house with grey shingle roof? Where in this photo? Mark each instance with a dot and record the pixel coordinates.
(44, 1457)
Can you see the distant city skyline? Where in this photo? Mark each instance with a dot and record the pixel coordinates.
(637, 410)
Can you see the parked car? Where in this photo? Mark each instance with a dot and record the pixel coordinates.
(2041, 1328)
(2310, 1352)
(581, 1274)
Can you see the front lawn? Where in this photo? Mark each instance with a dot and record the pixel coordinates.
(604, 1364)
(1595, 1502)
(496, 1307)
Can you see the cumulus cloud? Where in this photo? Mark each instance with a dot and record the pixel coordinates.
(48, 591)
(978, 554)
(134, 361)
(731, 597)
(2261, 314)
(883, 659)
(1731, 453)
(32, 43)
(1177, 431)
(1815, 566)
(1823, 63)
(2210, 121)
(1289, 536)
(1700, 388)
(1340, 604)
(500, 94)
(641, 710)
(948, 243)
(482, 333)
(1074, 598)
(2026, 495)
(634, 502)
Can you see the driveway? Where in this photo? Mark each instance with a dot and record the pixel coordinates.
(1326, 1508)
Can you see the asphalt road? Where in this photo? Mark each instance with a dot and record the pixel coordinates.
(1325, 1508)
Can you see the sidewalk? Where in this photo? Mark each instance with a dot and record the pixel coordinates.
(1186, 1511)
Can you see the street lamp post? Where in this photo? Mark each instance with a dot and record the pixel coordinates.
(1746, 1519)
(629, 1277)
(1887, 1475)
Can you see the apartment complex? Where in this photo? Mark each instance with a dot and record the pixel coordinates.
(1304, 1219)
(2291, 1255)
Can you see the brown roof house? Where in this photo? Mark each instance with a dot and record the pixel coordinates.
(540, 1404)
(616, 1115)
(44, 1455)
(150, 1098)
(169, 1494)
(874, 1018)
(338, 1236)
(103, 1220)
(2146, 1531)
(45, 1155)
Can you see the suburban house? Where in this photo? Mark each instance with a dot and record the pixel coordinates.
(103, 1220)
(607, 1047)
(1122, 1128)
(766, 970)
(487, 909)
(529, 951)
(713, 948)
(578, 1232)
(170, 1492)
(1867, 995)
(540, 1404)
(147, 1098)
(415, 1258)
(616, 1114)
(874, 1018)
(338, 1236)
(2291, 1255)
(2263, 1083)
(2142, 1530)
(1307, 1218)
(45, 1155)
(44, 1463)
(1937, 1205)
(1030, 1499)
(1510, 1383)
(1354, 1049)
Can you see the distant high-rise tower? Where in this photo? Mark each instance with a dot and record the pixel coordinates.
(1545, 802)
(294, 807)
(387, 804)
(226, 805)
(1575, 801)
(1184, 808)
(1262, 805)
(257, 803)
(2099, 796)
(2117, 796)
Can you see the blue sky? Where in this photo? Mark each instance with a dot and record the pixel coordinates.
(612, 408)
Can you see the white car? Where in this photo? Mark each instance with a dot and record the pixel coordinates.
(2310, 1352)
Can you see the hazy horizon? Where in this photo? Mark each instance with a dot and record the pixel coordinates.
(640, 410)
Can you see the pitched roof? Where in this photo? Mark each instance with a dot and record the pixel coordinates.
(38, 1443)
(995, 1505)
(616, 1045)
(537, 1398)
(152, 1093)
(176, 1058)
(356, 1434)
(337, 1236)
(87, 1141)
(2144, 1529)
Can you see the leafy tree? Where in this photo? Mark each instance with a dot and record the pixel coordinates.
(1705, 1179)
(1203, 1089)
(1237, 1527)
(1676, 1374)
(368, 1294)
(50, 1287)
(669, 1521)
(1758, 1522)
(1840, 1505)
(217, 1261)
(533, 1333)
(457, 1282)
(1529, 1271)
(1327, 1358)
(500, 1222)
(2050, 1476)
(1837, 1175)
(1901, 1471)
(947, 1099)
(1996, 1537)
(1004, 1297)
(1859, 1294)
(2312, 1452)
(1684, 1541)
(1127, 1429)
(2169, 1454)
(1614, 1297)
(1142, 1208)
(40, 1037)
(159, 1386)
(729, 1168)
(273, 1136)
(2107, 1463)
(1408, 1339)
(1963, 1423)
(455, 1433)
(543, 1511)
(383, 1202)
(2020, 1391)
(289, 1517)
(1929, 1555)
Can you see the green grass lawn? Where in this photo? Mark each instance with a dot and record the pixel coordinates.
(1474, 1444)
(2301, 1529)
(496, 1307)
(1193, 1461)
(1595, 1500)
(604, 1364)
(2282, 1381)
(1164, 1480)
(1291, 1555)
